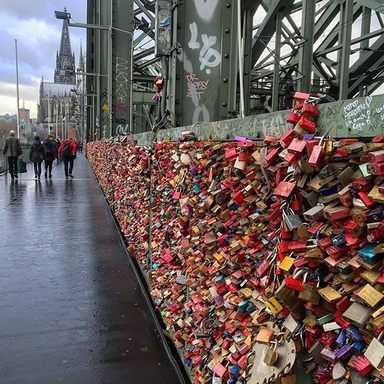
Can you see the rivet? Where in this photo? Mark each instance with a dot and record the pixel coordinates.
(225, 80)
(228, 5)
(226, 55)
(177, 101)
(227, 30)
(224, 104)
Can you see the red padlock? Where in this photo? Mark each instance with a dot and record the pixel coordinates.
(310, 109)
(316, 160)
(293, 118)
(376, 169)
(287, 138)
(307, 124)
(297, 145)
(376, 156)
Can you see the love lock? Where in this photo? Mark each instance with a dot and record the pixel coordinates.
(261, 372)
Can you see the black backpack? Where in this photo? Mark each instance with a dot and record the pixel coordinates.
(48, 151)
(66, 152)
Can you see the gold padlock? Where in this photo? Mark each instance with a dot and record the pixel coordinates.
(271, 355)
(289, 379)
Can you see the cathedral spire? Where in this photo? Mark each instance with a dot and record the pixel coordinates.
(65, 59)
(81, 60)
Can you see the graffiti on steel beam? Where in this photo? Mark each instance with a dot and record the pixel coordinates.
(122, 80)
(200, 112)
(206, 8)
(195, 86)
(209, 57)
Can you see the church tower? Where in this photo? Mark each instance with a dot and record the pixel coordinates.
(65, 59)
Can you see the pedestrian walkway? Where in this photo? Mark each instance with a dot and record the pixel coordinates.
(71, 307)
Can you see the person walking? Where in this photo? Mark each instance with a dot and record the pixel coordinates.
(58, 143)
(67, 152)
(36, 155)
(50, 153)
(12, 150)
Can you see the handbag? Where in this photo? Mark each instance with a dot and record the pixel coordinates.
(21, 166)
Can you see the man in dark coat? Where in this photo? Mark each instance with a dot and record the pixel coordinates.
(67, 152)
(50, 154)
(36, 155)
(12, 150)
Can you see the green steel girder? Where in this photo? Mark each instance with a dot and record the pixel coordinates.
(266, 29)
(375, 5)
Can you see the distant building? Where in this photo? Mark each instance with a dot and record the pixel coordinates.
(25, 115)
(9, 118)
(57, 100)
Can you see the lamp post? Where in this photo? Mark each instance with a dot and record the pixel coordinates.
(17, 92)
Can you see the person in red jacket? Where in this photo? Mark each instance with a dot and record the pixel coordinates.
(67, 152)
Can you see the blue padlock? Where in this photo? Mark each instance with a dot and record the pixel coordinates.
(368, 254)
(341, 339)
(338, 240)
(234, 371)
(354, 333)
(359, 346)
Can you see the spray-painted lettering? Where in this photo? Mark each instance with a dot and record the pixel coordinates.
(209, 57)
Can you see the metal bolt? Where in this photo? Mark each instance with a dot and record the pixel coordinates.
(226, 55)
(225, 80)
(227, 30)
(224, 104)
(228, 5)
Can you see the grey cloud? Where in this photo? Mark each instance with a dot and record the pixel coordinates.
(44, 9)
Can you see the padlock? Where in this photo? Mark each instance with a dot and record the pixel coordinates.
(314, 214)
(361, 364)
(293, 117)
(309, 109)
(376, 156)
(287, 138)
(271, 356)
(369, 295)
(358, 314)
(289, 379)
(307, 123)
(375, 352)
(291, 219)
(297, 146)
(317, 158)
(376, 169)
(285, 189)
(335, 213)
(310, 293)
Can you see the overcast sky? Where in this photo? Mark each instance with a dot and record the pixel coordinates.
(38, 32)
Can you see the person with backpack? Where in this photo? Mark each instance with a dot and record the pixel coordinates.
(36, 155)
(12, 150)
(67, 152)
(58, 143)
(50, 153)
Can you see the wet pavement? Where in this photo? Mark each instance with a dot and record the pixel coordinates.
(71, 308)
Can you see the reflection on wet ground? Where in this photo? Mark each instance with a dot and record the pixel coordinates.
(71, 309)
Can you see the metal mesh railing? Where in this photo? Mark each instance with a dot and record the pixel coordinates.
(24, 156)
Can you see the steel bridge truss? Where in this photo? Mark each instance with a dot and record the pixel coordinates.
(336, 47)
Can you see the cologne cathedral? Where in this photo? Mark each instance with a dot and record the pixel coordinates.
(57, 99)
